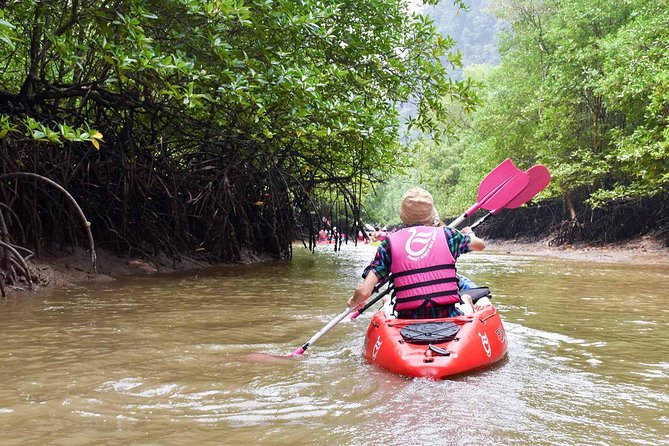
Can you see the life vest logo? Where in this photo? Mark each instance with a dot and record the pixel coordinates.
(423, 242)
(486, 344)
(377, 347)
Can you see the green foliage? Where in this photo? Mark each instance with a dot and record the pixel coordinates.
(304, 93)
(583, 87)
(635, 84)
(7, 33)
(382, 203)
(449, 167)
(307, 74)
(592, 73)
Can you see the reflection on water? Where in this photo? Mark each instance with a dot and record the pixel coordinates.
(174, 360)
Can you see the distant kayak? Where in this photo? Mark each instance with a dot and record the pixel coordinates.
(436, 348)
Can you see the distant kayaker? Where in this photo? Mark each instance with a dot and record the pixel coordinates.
(381, 235)
(421, 258)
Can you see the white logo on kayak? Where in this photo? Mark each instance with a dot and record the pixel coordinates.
(424, 240)
(486, 344)
(377, 347)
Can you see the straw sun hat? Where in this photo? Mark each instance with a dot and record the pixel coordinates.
(417, 208)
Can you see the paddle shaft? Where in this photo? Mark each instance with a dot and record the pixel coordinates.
(477, 205)
(323, 330)
(480, 220)
(338, 319)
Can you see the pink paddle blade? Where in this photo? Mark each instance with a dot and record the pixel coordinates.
(495, 181)
(496, 177)
(539, 179)
(507, 192)
(298, 352)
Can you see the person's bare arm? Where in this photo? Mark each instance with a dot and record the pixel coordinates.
(476, 244)
(363, 291)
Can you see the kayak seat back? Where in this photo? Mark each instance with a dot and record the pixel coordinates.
(476, 293)
(429, 332)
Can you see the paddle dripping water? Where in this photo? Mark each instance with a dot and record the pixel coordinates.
(164, 360)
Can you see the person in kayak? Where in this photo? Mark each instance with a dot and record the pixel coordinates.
(421, 258)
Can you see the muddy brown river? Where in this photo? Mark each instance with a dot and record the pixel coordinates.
(169, 360)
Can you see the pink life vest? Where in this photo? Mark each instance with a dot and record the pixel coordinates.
(422, 267)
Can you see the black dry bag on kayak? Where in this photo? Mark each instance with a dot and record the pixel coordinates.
(429, 332)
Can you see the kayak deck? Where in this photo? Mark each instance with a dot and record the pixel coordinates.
(479, 342)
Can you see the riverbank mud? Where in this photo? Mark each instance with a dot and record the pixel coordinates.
(72, 268)
(645, 250)
(64, 270)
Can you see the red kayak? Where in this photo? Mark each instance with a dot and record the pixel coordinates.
(436, 348)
